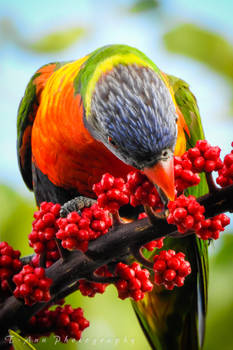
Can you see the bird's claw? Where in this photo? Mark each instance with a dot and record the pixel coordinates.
(76, 204)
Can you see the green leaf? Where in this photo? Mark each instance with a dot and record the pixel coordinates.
(143, 5)
(202, 45)
(19, 342)
(56, 41)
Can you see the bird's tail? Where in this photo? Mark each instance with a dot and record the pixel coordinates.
(176, 319)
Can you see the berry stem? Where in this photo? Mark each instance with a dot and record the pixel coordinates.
(116, 218)
(136, 251)
(211, 183)
(153, 216)
(11, 285)
(42, 259)
(62, 251)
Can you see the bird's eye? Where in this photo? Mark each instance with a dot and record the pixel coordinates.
(165, 154)
(110, 140)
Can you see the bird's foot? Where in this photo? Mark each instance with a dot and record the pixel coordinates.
(76, 204)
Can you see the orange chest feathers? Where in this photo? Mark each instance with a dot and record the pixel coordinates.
(62, 148)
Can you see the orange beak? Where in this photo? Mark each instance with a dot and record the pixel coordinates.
(162, 175)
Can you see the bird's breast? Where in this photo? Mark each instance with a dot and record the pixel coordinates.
(62, 147)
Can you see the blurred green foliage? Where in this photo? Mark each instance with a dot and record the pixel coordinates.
(15, 219)
(52, 42)
(143, 5)
(198, 43)
(56, 41)
(220, 315)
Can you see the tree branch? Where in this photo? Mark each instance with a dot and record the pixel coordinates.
(106, 249)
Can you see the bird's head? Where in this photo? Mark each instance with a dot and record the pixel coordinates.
(132, 113)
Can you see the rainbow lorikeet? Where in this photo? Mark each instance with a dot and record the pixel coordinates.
(114, 111)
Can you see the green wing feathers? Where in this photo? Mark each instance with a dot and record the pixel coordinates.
(26, 115)
(187, 103)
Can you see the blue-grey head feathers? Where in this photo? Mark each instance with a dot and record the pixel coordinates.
(133, 109)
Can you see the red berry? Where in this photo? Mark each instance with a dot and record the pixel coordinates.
(76, 230)
(112, 193)
(32, 285)
(9, 266)
(142, 191)
(170, 269)
(38, 295)
(64, 322)
(160, 265)
(133, 282)
(24, 290)
(169, 275)
(179, 214)
(204, 157)
(185, 213)
(173, 263)
(41, 239)
(184, 175)
(210, 228)
(225, 173)
(90, 289)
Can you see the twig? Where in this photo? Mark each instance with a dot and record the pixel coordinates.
(211, 183)
(63, 252)
(116, 219)
(101, 279)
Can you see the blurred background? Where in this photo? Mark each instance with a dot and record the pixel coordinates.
(190, 39)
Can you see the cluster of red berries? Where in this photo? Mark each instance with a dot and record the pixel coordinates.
(32, 285)
(90, 289)
(65, 322)
(112, 192)
(187, 214)
(170, 269)
(75, 231)
(42, 237)
(142, 191)
(184, 176)
(211, 228)
(133, 282)
(9, 265)
(157, 243)
(204, 157)
(225, 175)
